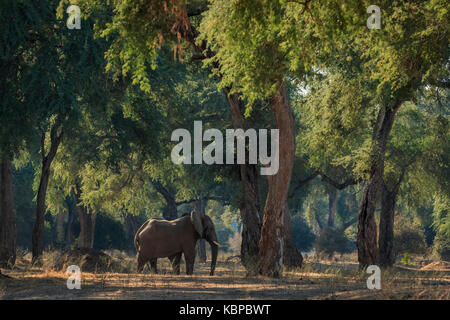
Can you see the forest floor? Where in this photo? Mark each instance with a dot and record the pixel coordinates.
(337, 278)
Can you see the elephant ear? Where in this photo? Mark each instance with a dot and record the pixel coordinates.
(197, 222)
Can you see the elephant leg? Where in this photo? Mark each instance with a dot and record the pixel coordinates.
(190, 260)
(153, 262)
(141, 261)
(175, 260)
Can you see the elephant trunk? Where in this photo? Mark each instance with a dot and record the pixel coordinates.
(214, 252)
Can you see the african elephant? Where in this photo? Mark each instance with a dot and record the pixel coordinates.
(158, 238)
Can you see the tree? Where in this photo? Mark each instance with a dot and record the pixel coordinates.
(16, 117)
(71, 61)
(395, 60)
(7, 216)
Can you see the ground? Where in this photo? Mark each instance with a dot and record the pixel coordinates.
(337, 278)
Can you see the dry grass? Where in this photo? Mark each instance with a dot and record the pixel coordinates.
(338, 278)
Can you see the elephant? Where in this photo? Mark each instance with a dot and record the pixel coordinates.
(158, 238)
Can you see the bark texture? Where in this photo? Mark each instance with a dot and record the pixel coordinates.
(8, 231)
(271, 244)
(367, 229)
(132, 221)
(200, 206)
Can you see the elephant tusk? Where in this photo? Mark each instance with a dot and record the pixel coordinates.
(216, 243)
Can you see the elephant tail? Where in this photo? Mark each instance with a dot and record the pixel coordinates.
(136, 242)
(136, 236)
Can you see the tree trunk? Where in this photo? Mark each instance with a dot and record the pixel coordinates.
(249, 204)
(87, 228)
(38, 230)
(87, 224)
(200, 206)
(271, 244)
(292, 258)
(70, 219)
(171, 208)
(386, 256)
(367, 229)
(60, 217)
(332, 207)
(8, 231)
(133, 223)
(37, 238)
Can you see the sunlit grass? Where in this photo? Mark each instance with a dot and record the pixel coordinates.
(318, 279)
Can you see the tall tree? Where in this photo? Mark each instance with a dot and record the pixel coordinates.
(7, 215)
(223, 28)
(16, 116)
(410, 49)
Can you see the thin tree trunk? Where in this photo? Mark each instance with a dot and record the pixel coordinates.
(333, 197)
(200, 206)
(171, 212)
(70, 219)
(386, 256)
(60, 217)
(8, 231)
(37, 238)
(292, 258)
(87, 223)
(249, 204)
(271, 244)
(133, 223)
(367, 229)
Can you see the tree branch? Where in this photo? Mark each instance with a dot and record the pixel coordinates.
(338, 185)
(224, 201)
(301, 183)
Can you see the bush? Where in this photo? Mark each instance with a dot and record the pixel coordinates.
(441, 247)
(302, 234)
(331, 240)
(89, 260)
(409, 238)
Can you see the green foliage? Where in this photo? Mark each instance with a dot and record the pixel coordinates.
(303, 235)
(331, 240)
(408, 237)
(336, 124)
(24, 204)
(223, 217)
(441, 224)
(111, 233)
(441, 247)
